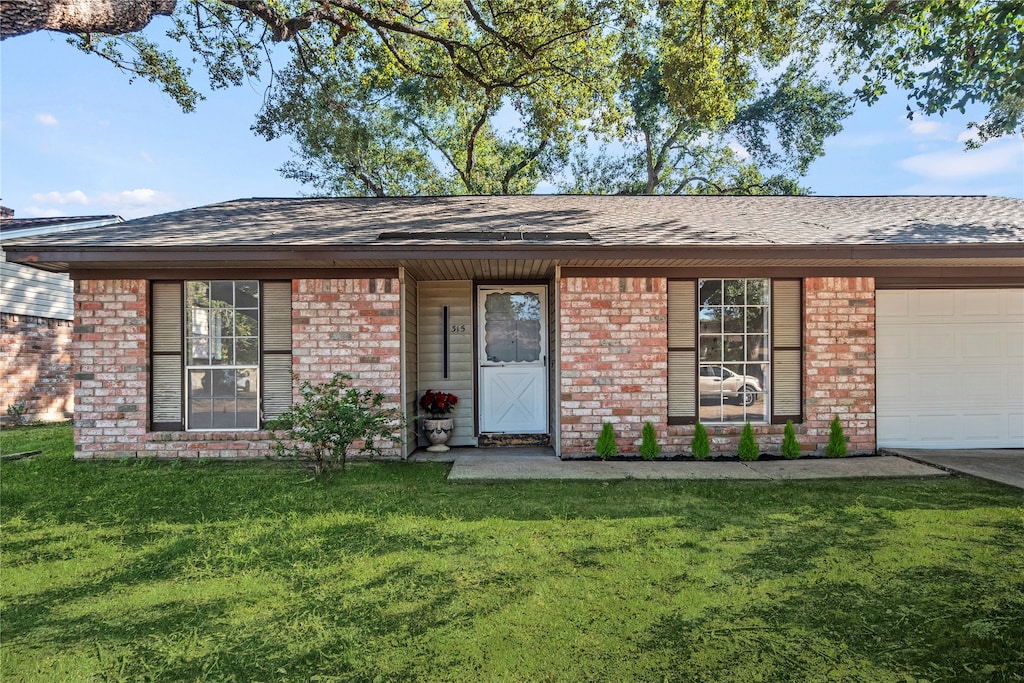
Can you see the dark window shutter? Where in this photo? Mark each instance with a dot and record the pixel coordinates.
(787, 355)
(167, 339)
(276, 338)
(682, 351)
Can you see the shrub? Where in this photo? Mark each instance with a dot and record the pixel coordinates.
(700, 446)
(649, 448)
(748, 444)
(606, 447)
(836, 447)
(16, 411)
(790, 446)
(329, 418)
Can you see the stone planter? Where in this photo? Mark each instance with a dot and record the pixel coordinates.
(437, 432)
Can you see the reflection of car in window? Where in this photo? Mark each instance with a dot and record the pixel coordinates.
(715, 379)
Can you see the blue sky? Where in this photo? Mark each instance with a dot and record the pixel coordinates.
(76, 138)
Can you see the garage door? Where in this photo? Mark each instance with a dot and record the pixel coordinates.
(950, 368)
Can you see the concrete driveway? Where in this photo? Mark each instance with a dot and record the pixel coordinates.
(1005, 466)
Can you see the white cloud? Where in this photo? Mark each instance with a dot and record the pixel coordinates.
(126, 203)
(740, 151)
(924, 127)
(47, 119)
(998, 158)
(73, 197)
(967, 135)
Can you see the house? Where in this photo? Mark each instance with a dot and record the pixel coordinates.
(548, 315)
(36, 313)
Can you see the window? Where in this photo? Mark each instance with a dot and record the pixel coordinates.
(734, 350)
(221, 354)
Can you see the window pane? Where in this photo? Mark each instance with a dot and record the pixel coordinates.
(512, 327)
(756, 319)
(733, 348)
(222, 293)
(711, 320)
(247, 351)
(733, 292)
(757, 292)
(733, 319)
(710, 293)
(247, 321)
(710, 349)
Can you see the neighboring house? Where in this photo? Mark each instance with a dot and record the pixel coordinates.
(548, 315)
(36, 314)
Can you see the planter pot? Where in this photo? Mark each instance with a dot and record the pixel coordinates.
(438, 431)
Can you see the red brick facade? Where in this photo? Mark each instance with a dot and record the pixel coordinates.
(839, 360)
(614, 359)
(614, 363)
(347, 326)
(36, 367)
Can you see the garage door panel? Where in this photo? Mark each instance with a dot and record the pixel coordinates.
(950, 368)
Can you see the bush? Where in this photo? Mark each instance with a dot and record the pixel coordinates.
(836, 440)
(330, 417)
(790, 446)
(700, 446)
(649, 448)
(748, 444)
(606, 447)
(16, 411)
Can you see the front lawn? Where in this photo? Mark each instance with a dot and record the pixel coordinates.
(141, 571)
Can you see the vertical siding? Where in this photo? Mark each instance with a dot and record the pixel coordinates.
(458, 296)
(410, 357)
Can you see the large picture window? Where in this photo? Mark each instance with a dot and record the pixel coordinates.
(734, 352)
(221, 354)
(222, 323)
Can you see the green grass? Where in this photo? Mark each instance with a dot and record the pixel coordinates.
(134, 571)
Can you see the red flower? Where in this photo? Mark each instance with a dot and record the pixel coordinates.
(438, 403)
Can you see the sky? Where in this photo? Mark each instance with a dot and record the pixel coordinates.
(77, 138)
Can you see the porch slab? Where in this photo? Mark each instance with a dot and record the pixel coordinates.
(488, 465)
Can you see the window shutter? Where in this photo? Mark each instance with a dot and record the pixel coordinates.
(787, 356)
(682, 351)
(277, 348)
(167, 385)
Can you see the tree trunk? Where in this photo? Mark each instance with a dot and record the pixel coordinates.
(18, 17)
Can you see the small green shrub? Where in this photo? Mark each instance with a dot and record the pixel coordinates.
(836, 447)
(649, 448)
(748, 444)
(606, 447)
(330, 417)
(790, 446)
(700, 446)
(16, 411)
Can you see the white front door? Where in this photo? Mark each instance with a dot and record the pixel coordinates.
(513, 358)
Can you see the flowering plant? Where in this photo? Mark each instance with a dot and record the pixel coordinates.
(438, 403)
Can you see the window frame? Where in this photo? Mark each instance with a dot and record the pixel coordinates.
(784, 329)
(169, 369)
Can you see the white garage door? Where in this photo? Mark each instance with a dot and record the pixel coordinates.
(950, 368)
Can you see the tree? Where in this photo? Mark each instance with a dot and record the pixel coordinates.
(944, 53)
(18, 17)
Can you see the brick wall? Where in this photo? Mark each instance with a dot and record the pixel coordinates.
(614, 350)
(839, 360)
(350, 326)
(111, 367)
(35, 366)
(347, 326)
(614, 358)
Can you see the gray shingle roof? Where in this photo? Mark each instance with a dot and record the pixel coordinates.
(609, 221)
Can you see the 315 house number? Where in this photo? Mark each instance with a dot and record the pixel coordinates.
(457, 329)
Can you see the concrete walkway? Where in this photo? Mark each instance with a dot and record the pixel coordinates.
(469, 464)
(1005, 466)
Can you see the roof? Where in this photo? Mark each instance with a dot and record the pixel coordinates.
(335, 232)
(15, 228)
